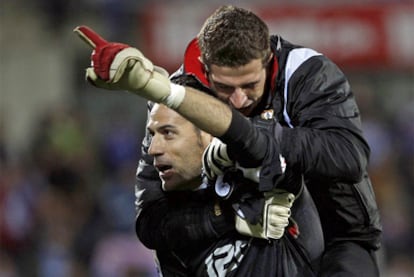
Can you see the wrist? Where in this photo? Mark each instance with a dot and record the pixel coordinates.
(248, 147)
(176, 96)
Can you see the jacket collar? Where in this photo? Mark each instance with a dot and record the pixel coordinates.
(192, 63)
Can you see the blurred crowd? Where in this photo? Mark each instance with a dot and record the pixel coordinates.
(388, 123)
(67, 200)
(67, 208)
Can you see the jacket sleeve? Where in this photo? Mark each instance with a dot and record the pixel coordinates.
(327, 139)
(255, 146)
(161, 217)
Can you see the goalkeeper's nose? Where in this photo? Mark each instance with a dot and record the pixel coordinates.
(156, 147)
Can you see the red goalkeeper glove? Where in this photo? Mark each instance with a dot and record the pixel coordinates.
(118, 66)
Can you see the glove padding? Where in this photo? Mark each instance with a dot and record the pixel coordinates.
(117, 66)
(216, 160)
(251, 173)
(276, 215)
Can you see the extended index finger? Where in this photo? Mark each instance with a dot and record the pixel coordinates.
(89, 36)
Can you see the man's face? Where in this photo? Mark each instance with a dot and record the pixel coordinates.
(177, 148)
(241, 87)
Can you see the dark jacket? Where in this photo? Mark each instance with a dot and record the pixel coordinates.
(323, 137)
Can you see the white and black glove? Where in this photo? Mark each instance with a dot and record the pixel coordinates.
(252, 174)
(118, 66)
(276, 213)
(216, 162)
(216, 159)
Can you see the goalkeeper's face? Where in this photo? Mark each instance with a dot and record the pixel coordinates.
(177, 147)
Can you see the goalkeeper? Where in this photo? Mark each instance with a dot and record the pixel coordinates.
(176, 148)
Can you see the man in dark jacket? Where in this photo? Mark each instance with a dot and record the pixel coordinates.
(318, 133)
(176, 148)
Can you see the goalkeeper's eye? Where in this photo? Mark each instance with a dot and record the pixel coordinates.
(169, 133)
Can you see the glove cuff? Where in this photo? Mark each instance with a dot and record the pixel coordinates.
(176, 96)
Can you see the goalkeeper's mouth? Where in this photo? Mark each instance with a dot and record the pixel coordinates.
(165, 171)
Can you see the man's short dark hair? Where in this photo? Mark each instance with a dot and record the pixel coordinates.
(233, 37)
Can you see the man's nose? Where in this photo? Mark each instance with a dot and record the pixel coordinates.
(155, 147)
(238, 98)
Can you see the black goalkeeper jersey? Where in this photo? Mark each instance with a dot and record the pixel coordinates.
(296, 254)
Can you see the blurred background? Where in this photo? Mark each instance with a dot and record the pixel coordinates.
(68, 151)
